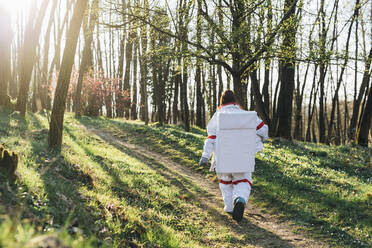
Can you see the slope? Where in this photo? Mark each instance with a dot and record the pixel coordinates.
(110, 187)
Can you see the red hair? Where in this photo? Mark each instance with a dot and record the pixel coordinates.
(228, 97)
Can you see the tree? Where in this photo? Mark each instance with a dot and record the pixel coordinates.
(45, 103)
(120, 71)
(357, 104)
(227, 52)
(160, 49)
(58, 34)
(185, 7)
(287, 74)
(322, 70)
(143, 68)
(59, 104)
(5, 46)
(31, 37)
(199, 97)
(86, 60)
(128, 62)
(335, 98)
(366, 121)
(134, 81)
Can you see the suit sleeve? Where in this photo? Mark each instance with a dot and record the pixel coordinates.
(262, 129)
(209, 144)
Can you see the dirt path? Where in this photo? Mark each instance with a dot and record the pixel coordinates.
(264, 230)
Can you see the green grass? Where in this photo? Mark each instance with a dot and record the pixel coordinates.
(95, 193)
(325, 190)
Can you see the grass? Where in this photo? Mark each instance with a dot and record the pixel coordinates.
(95, 193)
(325, 190)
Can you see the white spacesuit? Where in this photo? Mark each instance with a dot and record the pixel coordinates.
(235, 187)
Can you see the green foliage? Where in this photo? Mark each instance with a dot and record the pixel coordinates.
(99, 193)
(21, 233)
(181, 146)
(326, 190)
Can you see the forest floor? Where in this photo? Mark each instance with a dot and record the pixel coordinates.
(263, 229)
(124, 184)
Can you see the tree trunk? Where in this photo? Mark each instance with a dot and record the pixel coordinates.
(31, 38)
(366, 122)
(128, 62)
(184, 50)
(86, 60)
(185, 107)
(237, 84)
(35, 94)
(265, 87)
(143, 89)
(311, 108)
(214, 89)
(365, 81)
(203, 94)
(119, 96)
(259, 104)
(297, 134)
(156, 81)
(143, 68)
(335, 98)
(5, 55)
(220, 82)
(134, 100)
(287, 68)
(177, 79)
(274, 122)
(107, 81)
(164, 78)
(57, 50)
(322, 70)
(44, 73)
(339, 127)
(56, 123)
(120, 92)
(237, 22)
(199, 97)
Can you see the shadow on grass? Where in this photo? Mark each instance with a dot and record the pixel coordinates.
(179, 181)
(334, 161)
(4, 123)
(305, 189)
(160, 139)
(61, 202)
(18, 128)
(351, 213)
(12, 125)
(132, 195)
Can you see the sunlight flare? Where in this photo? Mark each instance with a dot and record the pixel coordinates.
(14, 6)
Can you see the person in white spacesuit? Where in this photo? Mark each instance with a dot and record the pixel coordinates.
(235, 187)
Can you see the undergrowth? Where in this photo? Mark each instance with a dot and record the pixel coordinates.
(97, 194)
(325, 190)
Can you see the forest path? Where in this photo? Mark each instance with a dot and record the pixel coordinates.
(261, 229)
